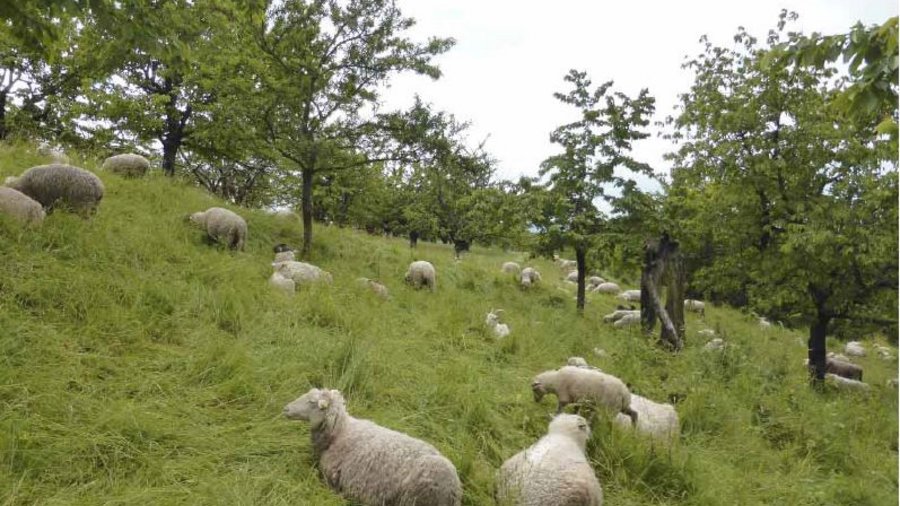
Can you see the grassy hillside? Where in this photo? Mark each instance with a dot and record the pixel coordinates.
(139, 365)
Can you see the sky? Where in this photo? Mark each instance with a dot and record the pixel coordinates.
(511, 56)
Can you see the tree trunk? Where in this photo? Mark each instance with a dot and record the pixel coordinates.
(3, 131)
(170, 150)
(307, 211)
(413, 238)
(817, 331)
(580, 260)
(662, 261)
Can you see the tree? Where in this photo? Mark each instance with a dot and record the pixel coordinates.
(790, 203)
(593, 148)
(325, 61)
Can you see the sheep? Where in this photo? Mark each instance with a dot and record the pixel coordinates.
(278, 280)
(56, 153)
(696, 306)
(575, 384)
(884, 352)
(845, 383)
(510, 268)
(21, 207)
(421, 273)
(837, 356)
(600, 352)
(565, 265)
(714, 345)
(370, 464)
(302, 273)
(554, 471)
(283, 253)
(607, 287)
(58, 185)
(376, 287)
(222, 225)
(632, 318)
(572, 277)
(855, 349)
(630, 295)
(492, 320)
(595, 281)
(707, 332)
(529, 276)
(580, 362)
(618, 314)
(764, 323)
(841, 368)
(127, 165)
(659, 421)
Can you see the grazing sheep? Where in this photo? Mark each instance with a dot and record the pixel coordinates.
(714, 345)
(575, 384)
(707, 332)
(421, 273)
(21, 206)
(838, 356)
(376, 287)
(281, 282)
(554, 471)
(696, 306)
(632, 318)
(529, 276)
(607, 288)
(884, 352)
(630, 295)
(841, 368)
(60, 186)
(572, 277)
(855, 349)
(764, 323)
(580, 362)
(510, 268)
(222, 225)
(565, 265)
(600, 352)
(845, 383)
(618, 314)
(302, 273)
(659, 421)
(594, 281)
(127, 165)
(492, 320)
(372, 465)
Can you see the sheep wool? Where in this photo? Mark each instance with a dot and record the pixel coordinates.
(659, 421)
(281, 282)
(554, 471)
(595, 281)
(284, 256)
(222, 225)
(377, 288)
(854, 349)
(631, 295)
(618, 314)
(127, 165)
(576, 384)
(60, 185)
(302, 273)
(696, 306)
(510, 268)
(21, 207)
(421, 273)
(372, 465)
(492, 320)
(632, 318)
(529, 276)
(572, 277)
(607, 288)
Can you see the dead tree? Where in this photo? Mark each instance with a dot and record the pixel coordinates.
(663, 266)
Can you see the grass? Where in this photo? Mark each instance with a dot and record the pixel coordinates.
(140, 365)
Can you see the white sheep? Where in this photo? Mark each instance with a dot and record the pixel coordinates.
(632, 318)
(884, 352)
(696, 306)
(630, 295)
(618, 314)
(222, 225)
(714, 345)
(565, 265)
(127, 165)
(492, 320)
(421, 273)
(764, 323)
(554, 471)
(659, 421)
(21, 207)
(572, 277)
(707, 332)
(607, 287)
(302, 273)
(580, 362)
(529, 276)
(284, 256)
(855, 349)
(595, 281)
(838, 356)
(845, 383)
(576, 384)
(372, 465)
(510, 268)
(60, 186)
(281, 282)
(377, 288)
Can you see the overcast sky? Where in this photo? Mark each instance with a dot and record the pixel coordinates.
(511, 55)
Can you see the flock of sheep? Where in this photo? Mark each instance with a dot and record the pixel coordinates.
(374, 465)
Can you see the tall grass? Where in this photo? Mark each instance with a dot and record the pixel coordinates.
(140, 365)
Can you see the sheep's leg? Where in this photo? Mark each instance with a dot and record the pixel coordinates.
(560, 405)
(632, 414)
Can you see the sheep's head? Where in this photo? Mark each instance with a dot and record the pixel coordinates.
(315, 406)
(281, 247)
(196, 218)
(493, 318)
(572, 426)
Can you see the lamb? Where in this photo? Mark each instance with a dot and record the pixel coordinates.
(659, 421)
(302, 273)
(370, 464)
(421, 273)
(618, 314)
(376, 287)
(222, 225)
(529, 276)
(696, 306)
(841, 368)
(510, 268)
(21, 207)
(575, 384)
(554, 471)
(492, 320)
(278, 280)
(607, 288)
(630, 295)
(59, 185)
(855, 349)
(127, 165)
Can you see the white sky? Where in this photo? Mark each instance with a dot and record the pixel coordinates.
(511, 55)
